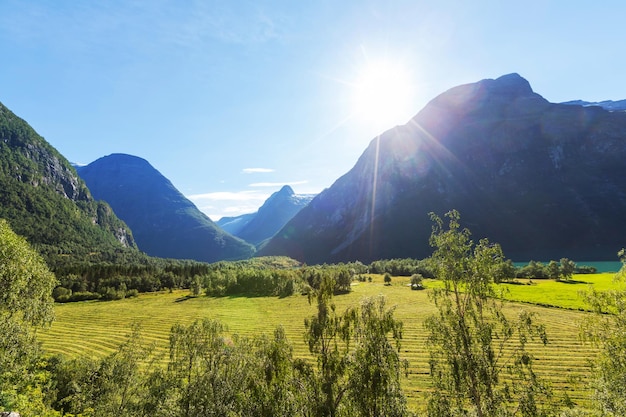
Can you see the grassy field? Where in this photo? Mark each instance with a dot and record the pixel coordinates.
(97, 328)
(549, 292)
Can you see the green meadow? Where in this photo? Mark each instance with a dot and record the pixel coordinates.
(95, 328)
(551, 293)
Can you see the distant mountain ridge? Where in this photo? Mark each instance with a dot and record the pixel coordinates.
(544, 180)
(164, 222)
(45, 201)
(275, 212)
(610, 105)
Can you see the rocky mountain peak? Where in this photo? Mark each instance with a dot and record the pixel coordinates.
(275, 212)
(510, 84)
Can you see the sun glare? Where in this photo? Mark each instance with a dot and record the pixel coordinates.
(382, 95)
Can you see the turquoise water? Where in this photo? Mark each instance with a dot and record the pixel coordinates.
(601, 266)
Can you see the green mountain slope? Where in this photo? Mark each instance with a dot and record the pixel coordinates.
(45, 201)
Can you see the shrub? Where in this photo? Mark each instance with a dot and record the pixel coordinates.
(416, 282)
(387, 278)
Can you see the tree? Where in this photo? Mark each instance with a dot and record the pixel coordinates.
(608, 332)
(387, 278)
(358, 363)
(110, 386)
(470, 336)
(196, 286)
(26, 303)
(375, 377)
(416, 282)
(567, 269)
(553, 270)
(328, 336)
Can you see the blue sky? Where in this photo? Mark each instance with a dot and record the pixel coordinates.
(230, 100)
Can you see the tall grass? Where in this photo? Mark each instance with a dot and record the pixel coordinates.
(95, 328)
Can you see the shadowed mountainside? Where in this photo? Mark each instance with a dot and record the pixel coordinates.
(164, 222)
(544, 180)
(277, 210)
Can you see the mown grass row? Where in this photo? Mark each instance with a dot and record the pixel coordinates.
(97, 328)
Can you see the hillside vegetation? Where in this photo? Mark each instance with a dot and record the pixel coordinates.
(43, 199)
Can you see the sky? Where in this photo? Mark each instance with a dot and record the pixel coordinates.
(231, 100)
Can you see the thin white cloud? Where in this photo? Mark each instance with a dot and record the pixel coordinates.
(228, 196)
(276, 184)
(257, 170)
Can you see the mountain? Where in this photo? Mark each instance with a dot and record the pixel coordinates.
(544, 180)
(233, 225)
(164, 222)
(44, 200)
(277, 210)
(610, 105)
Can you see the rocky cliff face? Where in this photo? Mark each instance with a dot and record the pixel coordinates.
(545, 180)
(164, 222)
(44, 200)
(277, 210)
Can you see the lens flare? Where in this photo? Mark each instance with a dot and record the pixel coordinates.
(382, 95)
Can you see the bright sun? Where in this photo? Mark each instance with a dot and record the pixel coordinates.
(382, 95)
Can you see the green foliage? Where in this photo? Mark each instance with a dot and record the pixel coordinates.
(328, 336)
(566, 269)
(358, 368)
(561, 270)
(25, 304)
(470, 334)
(107, 387)
(608, 332)
(402, 267)
(417, 282)
(375, 388)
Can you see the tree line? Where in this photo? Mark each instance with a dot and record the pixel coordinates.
(271, 276)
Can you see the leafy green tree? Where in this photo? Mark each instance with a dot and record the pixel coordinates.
(534, 269)
(553, 269)
(196, 286)
(358, 363)
(387, 278)
(26, 303)
(472, 342)
(212, 374)
(608, 332)
(375, 388)
(567, 269)
(416, 282)
(277, 386)
(112, 386)
(328, 336)
(195, 350)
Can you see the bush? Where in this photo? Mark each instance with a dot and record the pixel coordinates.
(83, 296)
(585, 269)
(387, 279)
(416, 282)
(61, 294)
